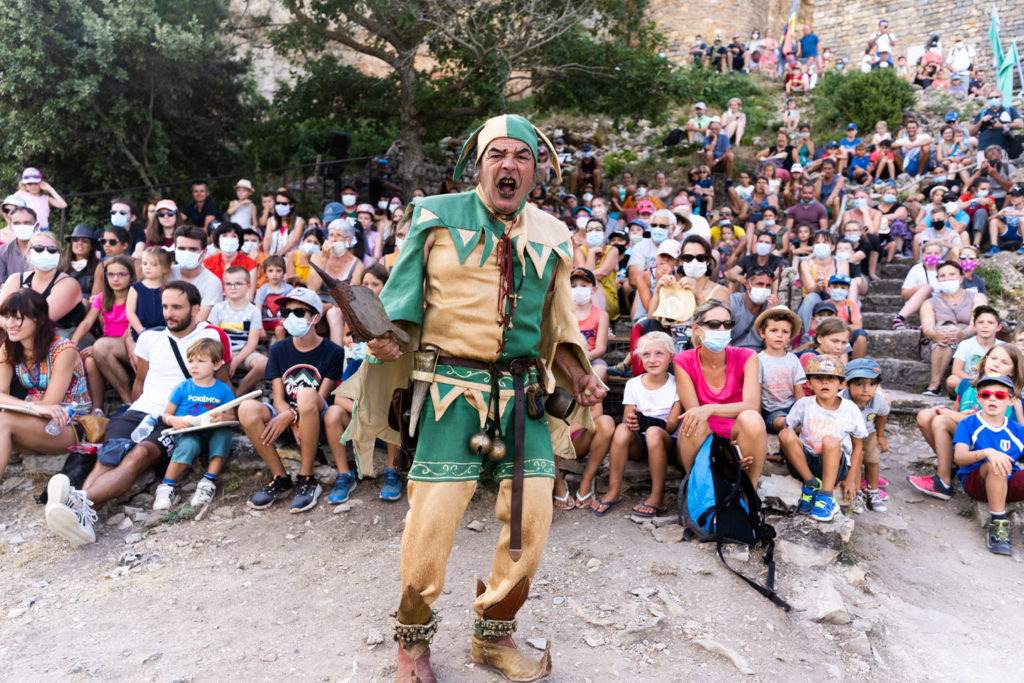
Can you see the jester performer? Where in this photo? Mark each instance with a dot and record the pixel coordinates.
(482, 287)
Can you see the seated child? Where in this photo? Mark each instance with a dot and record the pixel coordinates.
(593, 322)
(822, 440)
(848, 310)
(970, 351)
(650, 418)
(189, 400)
(779, 372)
(267, 295)
(727, 246)
(988, 451)
(860, 165)
(938, 425)
(243, 324)
(863, 376)
(831, 337)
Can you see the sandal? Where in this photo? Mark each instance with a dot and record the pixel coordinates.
(645, 510)
(564, 502)
(582, 502)
(607, 504)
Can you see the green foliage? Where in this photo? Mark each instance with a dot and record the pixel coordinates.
(616, 162)
(862, 98)
(105, 93)
(181, 514)
(993, 278)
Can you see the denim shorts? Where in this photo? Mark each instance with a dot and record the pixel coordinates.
(769, 417)
(814, 464)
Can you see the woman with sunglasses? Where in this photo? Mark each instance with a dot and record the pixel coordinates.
(160, 229)
(720, 392)
(340, 260)
(61, 291)
(970, 256)
(284, 228)
(115, 242)
(48, 367)
(698, 265)
(80, 260)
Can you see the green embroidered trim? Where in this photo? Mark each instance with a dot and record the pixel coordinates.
(532, 467)
(445, 471)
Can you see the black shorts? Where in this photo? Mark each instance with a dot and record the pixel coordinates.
(118, 440)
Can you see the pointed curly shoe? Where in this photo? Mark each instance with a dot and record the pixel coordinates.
(503, 656)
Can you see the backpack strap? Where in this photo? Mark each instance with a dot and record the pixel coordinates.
(177, 356)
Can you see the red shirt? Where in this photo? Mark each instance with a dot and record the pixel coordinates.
(215, 264)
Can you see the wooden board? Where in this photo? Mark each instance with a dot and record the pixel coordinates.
(22, 411)
(199, 428)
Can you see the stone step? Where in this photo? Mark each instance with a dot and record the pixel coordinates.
(886, 303)
(893, 344)
(882, 320)
(905, 403)
(896, 269)
(886, 285)
(903, 373)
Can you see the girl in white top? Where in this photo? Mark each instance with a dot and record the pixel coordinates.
(39, 195)
(650, 419)
(241, 211)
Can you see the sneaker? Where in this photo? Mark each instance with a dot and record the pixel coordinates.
(164, 497)
(307, 492)
(899, 322)
(121, 411)
(993, 251)
(932, 486)
(205, 491)
(858, 504)
(344, 485)
(876, 503)
(392, 488)
(931, 392)
(807, 497)
(266, 496)
(998, 537)
(882, 483)
(69, 513)
(825, 507)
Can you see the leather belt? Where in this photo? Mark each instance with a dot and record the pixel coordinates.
(518, 368)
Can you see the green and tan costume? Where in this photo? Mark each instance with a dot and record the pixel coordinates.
(447, 298)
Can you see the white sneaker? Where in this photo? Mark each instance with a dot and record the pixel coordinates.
(875, 501)
(205, 490)
(164, 497)
(57, 490)
(72, 518)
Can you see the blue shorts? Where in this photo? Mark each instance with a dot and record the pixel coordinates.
(814, 464)
(769, 417)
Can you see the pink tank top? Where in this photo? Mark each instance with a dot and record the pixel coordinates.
(732, 392)
(588, 326)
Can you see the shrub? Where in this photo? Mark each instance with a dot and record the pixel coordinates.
(862, 98)
(993, 279)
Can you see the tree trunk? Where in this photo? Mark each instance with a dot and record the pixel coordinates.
(412, 171)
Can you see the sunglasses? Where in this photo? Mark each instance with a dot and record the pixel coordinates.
(300, 312)
(110, 242)
(689, 258)
(40, 250)
(998, 395)
(660, 225)
(718, 324)
(166, 214)
(968, 258)
(116, 213)
(117, 273)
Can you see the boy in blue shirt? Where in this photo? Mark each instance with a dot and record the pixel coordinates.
(188, 402)
(863, 376)
(987, 448)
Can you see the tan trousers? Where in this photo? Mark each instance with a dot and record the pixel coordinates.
(435, 511)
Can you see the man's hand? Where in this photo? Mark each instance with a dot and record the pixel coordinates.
(587, 390)
(384, 349)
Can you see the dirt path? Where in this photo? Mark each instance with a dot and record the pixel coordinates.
(269, 596)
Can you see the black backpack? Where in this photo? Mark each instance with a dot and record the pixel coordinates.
(718, 503)
(674, 137)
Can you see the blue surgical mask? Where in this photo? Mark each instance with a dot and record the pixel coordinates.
(595, 238)
(768, 222)
(229, 245)
(296, 326)
(889, 198)
(659, 235)
(119, 220)
(763, 248)
(636, 237)
(940, 178)
(187, 260)
(860, 203)
(357, 352)
(716, 340)
(995, 102)
(282, 209)
(843, 255)
(837, 294)
(250, 247)
(821, 250)
(806, 202)
(309, 248)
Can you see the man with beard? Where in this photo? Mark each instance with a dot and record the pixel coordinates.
(463, 254)
(122, 459)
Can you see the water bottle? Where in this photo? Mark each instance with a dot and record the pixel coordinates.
(52, 428)
(144, 428)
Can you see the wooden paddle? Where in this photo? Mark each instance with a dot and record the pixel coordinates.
(205, 417)
(364, 313)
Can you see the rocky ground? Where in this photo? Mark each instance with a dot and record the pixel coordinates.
(910, 594)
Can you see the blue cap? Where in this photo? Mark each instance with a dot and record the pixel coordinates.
(952, 116)
(851, 126)
(996, 379)
(581, 208)
(863, 368)
(333, 211)
(637, 221)
(833, 143)
(839, 279)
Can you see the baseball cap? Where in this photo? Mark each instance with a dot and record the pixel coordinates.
(645, 206)
(584, 273)
(839, 279)
(243, 183)
(31, 175)
(670, 247)
(952, 116)
(167, 204)
(819, 365)
(332, 211)
(1016, 191)
(618, 233)
(364, 208)
(14, 200)
(851, 126)
(955, 77)
(996, 379)
(582, 209)
(586, 147)
(796, 168)
(559, 141)
(637, 221)
(303, 296)
(823, 307)
(833, 143)
(863, 368)
(701, 105)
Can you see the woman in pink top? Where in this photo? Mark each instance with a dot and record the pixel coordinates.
(720, 393)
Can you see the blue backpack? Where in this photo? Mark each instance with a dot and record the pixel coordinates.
(717, 502)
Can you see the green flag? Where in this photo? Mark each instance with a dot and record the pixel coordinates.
(1004, 75)
(993, 38)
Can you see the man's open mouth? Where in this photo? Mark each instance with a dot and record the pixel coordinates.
(507, 187)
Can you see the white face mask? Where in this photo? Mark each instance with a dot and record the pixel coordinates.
(600, 212)
(982, 194)
(186, 260)
(580, 295)
(23, 232)
(763, 248)
(821, 250)
(951, 207)
(339, 248)
(760, 294)
(44, 261)
(398, 242)
(581, 221)
(588, 196)
(382, 205)
(309, 248)
(282, 209)
(79, 265)
(949, 286)
(695, 269)
(348, 200)
(229, 245)
(641, 192)
(249, 247)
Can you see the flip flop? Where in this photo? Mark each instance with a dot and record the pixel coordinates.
(608, 509)
(566, 502)
(641, 510)
(582, 502)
